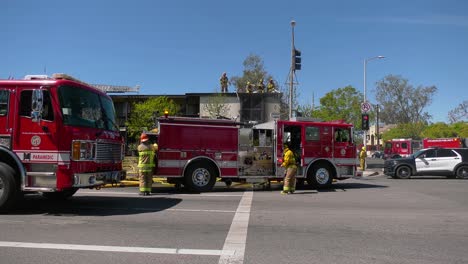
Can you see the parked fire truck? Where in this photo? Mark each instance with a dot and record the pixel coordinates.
(404, 147)
(57, 134)
(195, 152)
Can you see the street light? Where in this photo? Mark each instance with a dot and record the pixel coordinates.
(365, 66)
(365, 89)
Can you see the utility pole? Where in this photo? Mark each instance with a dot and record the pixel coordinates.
(377, 128)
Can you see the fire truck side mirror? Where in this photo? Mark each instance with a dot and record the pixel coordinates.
(37, 103)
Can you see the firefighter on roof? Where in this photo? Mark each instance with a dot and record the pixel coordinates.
(146, 154)
(260, 86)
(271, 86)
(249, 88)
(224, 83)
(289, 162)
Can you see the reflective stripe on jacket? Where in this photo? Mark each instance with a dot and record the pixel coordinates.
(146, 153)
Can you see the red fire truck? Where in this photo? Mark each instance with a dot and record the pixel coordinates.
(455, 142)
(401, 147)
(196, 152)
(397, 148)
(57, 134)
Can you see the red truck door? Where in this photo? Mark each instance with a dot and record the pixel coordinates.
(343, 146)
(5, 117)
(36, 141)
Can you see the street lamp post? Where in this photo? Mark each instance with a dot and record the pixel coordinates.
(365, 89)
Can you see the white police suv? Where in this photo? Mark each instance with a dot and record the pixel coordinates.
(452, 162)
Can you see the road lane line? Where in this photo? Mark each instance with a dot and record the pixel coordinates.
(157, 194)
(237, 236)
(153, 209)
(180, 251)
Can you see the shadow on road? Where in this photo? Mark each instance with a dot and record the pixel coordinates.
(93, 205)
(352, 185)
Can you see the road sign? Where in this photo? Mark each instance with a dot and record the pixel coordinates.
(365, 107)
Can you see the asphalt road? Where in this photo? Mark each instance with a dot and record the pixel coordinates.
(371, 220)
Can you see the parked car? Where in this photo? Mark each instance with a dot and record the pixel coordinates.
(378, 155)
(452, 162)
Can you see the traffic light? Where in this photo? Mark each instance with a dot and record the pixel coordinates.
(297, 60)
(365, 122)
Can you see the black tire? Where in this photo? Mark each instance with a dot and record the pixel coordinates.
(462, 172)
(200, 177)
(320, 177)
(9, 188)
(63, 195)
(403, 172)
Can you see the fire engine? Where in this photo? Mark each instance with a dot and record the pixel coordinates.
(57, 134)
(196, 152)
(401, 147)
(404, 147)
(455, 142)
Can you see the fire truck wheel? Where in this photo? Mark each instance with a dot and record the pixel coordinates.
(60, 195)
(462, 172)
(8, 187)
(321, 176)
(403, 172)
(200, 177)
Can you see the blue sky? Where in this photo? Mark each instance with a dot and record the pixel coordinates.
(177, 47)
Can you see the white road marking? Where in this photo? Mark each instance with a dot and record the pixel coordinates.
(180, 251)
(152, 209)
(157, 194)
(237, 236)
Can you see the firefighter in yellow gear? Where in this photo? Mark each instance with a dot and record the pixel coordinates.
(146, 164)
(260, 86)
(249, 88)
(224, 83)
(362, 158)
(289, 162)
(271, 88)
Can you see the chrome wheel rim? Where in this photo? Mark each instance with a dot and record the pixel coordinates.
(322, 176)
(201, 177)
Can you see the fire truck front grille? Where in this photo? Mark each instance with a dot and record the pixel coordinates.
(108, 152)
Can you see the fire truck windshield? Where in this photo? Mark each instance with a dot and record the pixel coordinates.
(82, 107)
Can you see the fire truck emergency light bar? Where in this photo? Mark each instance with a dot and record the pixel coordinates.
(103, 87)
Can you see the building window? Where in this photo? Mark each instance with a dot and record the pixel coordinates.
(251, 107)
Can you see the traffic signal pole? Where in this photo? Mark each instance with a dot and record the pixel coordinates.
(295, 65)
(291, 73)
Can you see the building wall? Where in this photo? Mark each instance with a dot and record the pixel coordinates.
(230, 105)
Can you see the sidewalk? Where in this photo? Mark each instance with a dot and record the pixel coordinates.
(371, 172)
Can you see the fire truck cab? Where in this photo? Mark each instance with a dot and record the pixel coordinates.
(196, 152)
(57, 134)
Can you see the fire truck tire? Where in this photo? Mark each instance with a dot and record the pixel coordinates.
(403, 172)
(462, 172)
(200, 177)
(60, 195)
(9, 190)
(320, 177)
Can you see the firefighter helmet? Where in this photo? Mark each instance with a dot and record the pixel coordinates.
(144, 137)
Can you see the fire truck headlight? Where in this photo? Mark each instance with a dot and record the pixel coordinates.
(82, 150)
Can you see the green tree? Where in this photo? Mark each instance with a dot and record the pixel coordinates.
(401, 102)
(442, 130)
(408, 130)
(143, 114)
(254, 71)
(340, 104)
